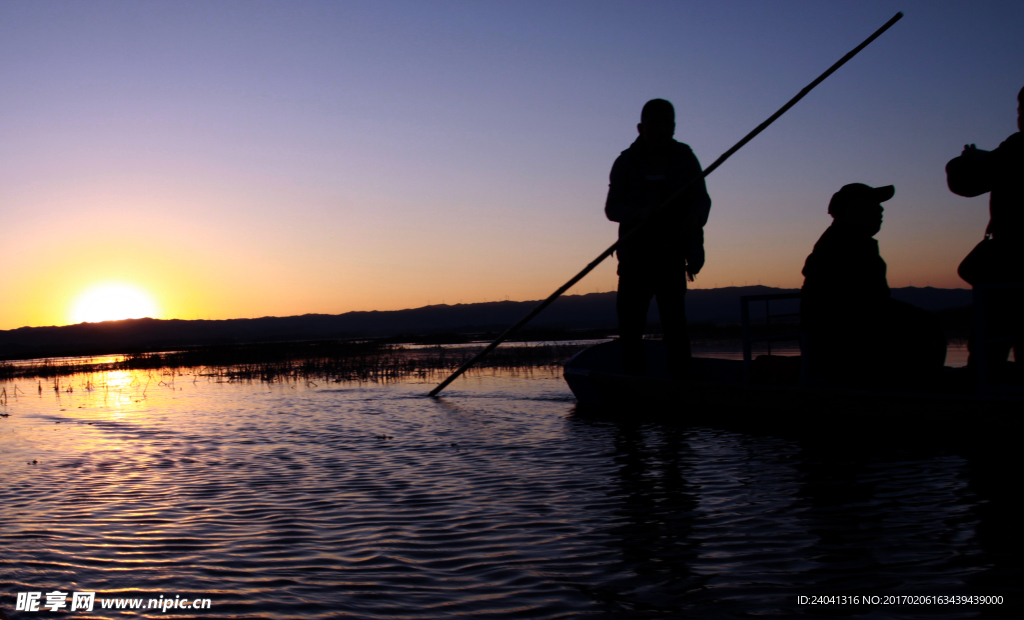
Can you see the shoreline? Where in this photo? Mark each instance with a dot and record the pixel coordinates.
(343, 360)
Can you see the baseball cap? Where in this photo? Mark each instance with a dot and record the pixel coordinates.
(859, 195)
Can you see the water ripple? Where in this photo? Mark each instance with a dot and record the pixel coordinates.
(498, 501)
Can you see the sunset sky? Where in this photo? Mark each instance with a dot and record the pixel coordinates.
(246, 159)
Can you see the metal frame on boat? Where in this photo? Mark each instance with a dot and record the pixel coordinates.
(749, 339)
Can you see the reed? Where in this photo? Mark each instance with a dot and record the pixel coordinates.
(329, 361)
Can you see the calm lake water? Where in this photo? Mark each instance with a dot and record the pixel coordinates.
(500, 500)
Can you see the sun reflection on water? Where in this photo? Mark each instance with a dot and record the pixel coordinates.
(117, 392)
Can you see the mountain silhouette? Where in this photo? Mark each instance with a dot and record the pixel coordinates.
(594, 311)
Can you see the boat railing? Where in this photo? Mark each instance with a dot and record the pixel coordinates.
(747, 331)
(982, 340)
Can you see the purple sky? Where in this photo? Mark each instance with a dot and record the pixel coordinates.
(243, 159)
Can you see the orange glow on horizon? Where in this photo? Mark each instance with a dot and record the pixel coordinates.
(113, 302)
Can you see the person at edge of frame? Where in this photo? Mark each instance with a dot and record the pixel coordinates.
(657, 260)
(1000, 172)
(856, 334)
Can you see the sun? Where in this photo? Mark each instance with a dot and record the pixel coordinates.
(112, 302)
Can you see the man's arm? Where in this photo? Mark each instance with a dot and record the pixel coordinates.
(969, 174)
(696, 198)
(698, 207)
(617, 207)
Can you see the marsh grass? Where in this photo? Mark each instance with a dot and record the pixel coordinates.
(330, 361)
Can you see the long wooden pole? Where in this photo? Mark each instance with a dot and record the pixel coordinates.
(718, 162)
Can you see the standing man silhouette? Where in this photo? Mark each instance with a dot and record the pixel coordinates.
(1000, 172)
(658, 259)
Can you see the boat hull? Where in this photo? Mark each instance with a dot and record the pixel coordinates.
(596, 375)
(714, 393)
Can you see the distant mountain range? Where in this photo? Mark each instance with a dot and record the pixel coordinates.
(593, 311)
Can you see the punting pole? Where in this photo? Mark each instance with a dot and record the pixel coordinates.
(718, 162)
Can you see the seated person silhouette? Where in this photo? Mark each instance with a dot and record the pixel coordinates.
(857, 335)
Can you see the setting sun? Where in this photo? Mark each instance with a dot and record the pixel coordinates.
(112, 302)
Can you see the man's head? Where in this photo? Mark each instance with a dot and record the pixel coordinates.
(858, 207)
(657, 123)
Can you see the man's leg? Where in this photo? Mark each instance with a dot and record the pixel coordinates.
(671, 295)
(631, 303)
(1014, 326)
(996, 325)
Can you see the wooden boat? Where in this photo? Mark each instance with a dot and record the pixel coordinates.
(715, 395)
(595, 375)
(771, 389)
